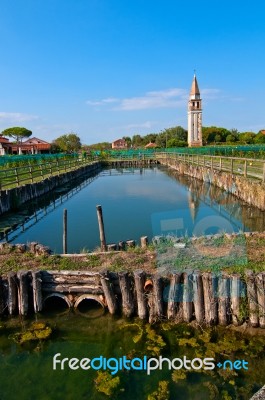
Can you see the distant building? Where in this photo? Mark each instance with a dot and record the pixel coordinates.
(150, 145)
(195, 116)
(30, 146)
(119, 144)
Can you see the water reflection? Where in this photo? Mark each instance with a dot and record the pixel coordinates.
(136, 202)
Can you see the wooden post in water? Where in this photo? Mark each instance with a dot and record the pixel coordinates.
(12, 300)
(23, 296)
(65, 231)
(109, 293)
(2, 302)
(144, 241)
(139, 279)
(173, 295)
(187, 296)
(101, 229)
(260, 282)
(127, 294)
(252, 299)
(210, 301)
(37, 292)
(223, 300)
(198, 297)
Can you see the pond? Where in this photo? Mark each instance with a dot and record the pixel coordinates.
(136, 202)
(26, 370)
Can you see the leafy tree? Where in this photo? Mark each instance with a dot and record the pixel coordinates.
(68, 143)
(17, 132)
(247, 137)
(128, 140)
(211, 133)
(259, 138)
(231, 138)
(98, 146)
(137, 141)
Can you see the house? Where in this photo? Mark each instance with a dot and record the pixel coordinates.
(4, 144)
(30, 146)
(119, 144)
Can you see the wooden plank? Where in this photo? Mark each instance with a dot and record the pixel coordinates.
(109, 293)
(139, 279)
(23, 295)
(252, 299)
(12, 300)
(174, 295)
(198, 297)
(260, 282)
(127, 294)
(210, 301)
(37, 291)
(224, 306)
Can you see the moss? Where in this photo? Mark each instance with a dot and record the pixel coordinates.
(162, 393)
(179, 375)
(37, 331)
(107, 384)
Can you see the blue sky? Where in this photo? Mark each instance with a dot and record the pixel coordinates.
(109, 68)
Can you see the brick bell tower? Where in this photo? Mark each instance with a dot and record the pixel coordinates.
(195, 116)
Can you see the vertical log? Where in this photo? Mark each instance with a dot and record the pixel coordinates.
(37, 292)
(158, 295)
(23, 295)
(235, 299)
(252, 299)
(121, 245)
(130, 243)
(139, 279)
(210, 301)
(260, 282)
(144, 241)
(198, 297)
(112, 247)
(65, 231)
(12, 293)
(174, 295)
(2, 301)
(101, 229)
(126, 293)
(187, 296)
(109, 293)
(223, 300)
(245, 168)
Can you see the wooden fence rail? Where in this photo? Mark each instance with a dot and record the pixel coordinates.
(247, 167)
(15, 177)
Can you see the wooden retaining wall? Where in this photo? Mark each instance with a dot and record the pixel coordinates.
(186, 296)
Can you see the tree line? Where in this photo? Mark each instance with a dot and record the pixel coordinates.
(171, 137)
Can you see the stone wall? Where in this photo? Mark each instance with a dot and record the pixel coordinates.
(250, 191)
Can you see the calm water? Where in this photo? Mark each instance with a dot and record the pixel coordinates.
(135, 202)
(26, 371)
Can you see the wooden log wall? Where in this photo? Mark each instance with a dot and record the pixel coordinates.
(180, 297)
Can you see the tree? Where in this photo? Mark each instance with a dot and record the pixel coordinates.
(68, 143)
(17, 132)
(259, 138)
(247, 137)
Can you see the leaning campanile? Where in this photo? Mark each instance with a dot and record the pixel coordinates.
(195, 116)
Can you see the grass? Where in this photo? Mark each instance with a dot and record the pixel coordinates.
(216, 253)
